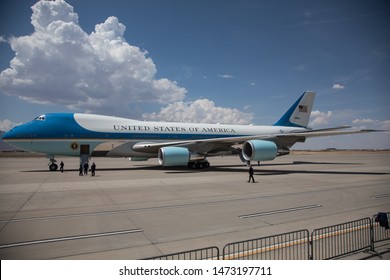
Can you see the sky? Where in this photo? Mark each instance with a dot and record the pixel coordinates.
(221, 61)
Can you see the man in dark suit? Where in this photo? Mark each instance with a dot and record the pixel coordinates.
(251, 174)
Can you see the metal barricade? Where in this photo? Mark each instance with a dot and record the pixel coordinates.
(338, 240)
(323, 243)
(209, 253)
(287, 246)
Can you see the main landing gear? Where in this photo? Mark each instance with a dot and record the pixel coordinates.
(198, 164)
(52, 164)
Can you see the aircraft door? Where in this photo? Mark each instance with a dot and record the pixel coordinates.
(84, 149)
(84, 154)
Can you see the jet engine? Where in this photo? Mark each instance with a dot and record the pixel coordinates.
(259, 150)
(173, 156)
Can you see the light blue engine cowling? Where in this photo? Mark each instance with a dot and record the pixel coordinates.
(173, 156)
(259, 150)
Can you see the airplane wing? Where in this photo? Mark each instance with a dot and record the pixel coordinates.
(328, 132)
(204, 146)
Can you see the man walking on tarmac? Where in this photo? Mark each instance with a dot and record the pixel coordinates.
(251, 174)
(93, 169)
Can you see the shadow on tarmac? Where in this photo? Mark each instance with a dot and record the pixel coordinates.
(239, 168)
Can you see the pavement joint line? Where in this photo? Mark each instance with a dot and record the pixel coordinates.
(70, 238)
(154, 208)
(299, 208)
(132, 209)
(380, 196)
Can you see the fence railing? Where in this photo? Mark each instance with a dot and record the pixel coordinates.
(342, 239)
(287, 246)
(323, 243)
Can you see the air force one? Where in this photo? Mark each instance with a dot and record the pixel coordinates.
(173, 143)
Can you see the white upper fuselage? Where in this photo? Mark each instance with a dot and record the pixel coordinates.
(169, 130)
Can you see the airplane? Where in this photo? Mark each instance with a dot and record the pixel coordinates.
(173, 143)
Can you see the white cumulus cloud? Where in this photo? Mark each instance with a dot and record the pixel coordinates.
(201, 110)
(377, 124)
(59, 63)
(338, 86)
(6, 125)
(320, 118)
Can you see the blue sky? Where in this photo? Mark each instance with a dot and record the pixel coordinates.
(197, 60)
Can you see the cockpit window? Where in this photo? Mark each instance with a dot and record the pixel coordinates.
(41, 118)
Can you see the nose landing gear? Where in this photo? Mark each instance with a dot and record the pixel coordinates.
(52, 164)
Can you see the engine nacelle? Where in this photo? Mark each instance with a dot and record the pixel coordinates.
(173, 156)
(259, 150)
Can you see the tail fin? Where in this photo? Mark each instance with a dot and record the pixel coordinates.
(298, 115)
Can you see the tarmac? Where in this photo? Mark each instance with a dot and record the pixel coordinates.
(137, 210)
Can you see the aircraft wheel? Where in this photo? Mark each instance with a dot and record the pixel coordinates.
(198, 164)
(53, 167)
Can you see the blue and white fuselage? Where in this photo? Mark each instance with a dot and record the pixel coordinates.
(174, 143)
(63, 134)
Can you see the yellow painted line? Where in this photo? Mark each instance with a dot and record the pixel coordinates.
(269, 248)
(340, 232)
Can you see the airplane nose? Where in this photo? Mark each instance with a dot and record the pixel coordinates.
(7, 135)
(11, 134)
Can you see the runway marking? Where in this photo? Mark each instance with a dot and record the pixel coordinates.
(153, 208)
(280, 211)
(68, 238)
(165, 207)
(380, 196)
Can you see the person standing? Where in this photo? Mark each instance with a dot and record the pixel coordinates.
(81, 170)
(86, 166)
(93, 169)
(251, 174)
(62, 167)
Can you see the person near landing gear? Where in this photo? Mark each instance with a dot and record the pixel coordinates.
(81, 170)
(93, 169)
(251, 174)
(86, 166)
